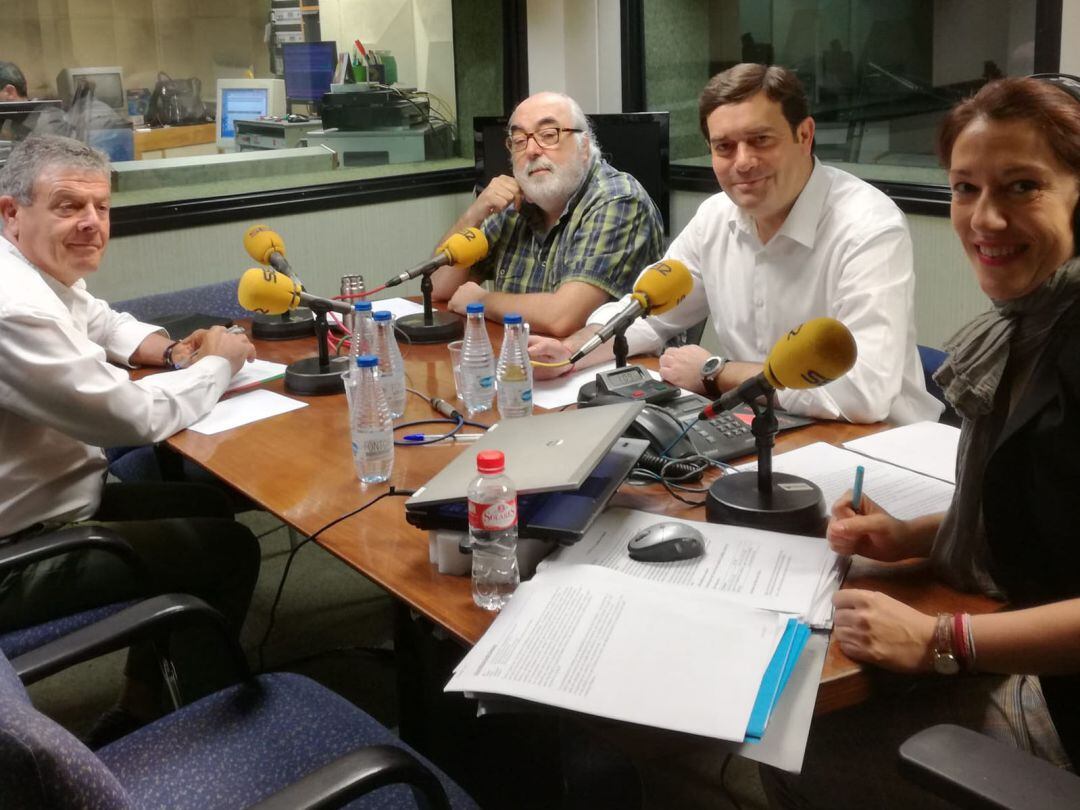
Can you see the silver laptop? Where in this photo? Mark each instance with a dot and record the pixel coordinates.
(544, 453)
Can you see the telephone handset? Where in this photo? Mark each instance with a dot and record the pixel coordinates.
(661, 429)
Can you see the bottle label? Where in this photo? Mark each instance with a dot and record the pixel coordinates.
(376, 444)
(493, 517)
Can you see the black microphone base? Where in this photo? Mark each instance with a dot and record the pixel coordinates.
(305, 377)
(793, 506)
(299, 324)
(444, 327)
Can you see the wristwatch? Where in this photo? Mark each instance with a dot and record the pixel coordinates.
(710, 370)
(944, 655)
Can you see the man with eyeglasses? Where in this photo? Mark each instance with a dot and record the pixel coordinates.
(567, 232)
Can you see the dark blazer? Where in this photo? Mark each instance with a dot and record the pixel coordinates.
(1031, 502)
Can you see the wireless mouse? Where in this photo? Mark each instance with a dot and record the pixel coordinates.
(666, 542)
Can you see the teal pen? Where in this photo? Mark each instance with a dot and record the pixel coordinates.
(856, 491)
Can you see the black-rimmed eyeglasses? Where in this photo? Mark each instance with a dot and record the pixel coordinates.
(546, 138)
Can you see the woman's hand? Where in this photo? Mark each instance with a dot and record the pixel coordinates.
(877, 629)
(871, 532)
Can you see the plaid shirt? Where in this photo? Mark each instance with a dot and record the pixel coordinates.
(610, 231)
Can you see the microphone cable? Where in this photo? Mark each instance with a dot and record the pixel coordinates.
(393, 491)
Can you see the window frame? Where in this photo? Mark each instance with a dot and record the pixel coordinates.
(911, 198)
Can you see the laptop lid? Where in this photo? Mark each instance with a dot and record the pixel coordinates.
(544, 453)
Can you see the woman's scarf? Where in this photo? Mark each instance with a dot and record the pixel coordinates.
(1008, 338)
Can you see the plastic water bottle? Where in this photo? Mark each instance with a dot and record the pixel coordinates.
(391, 366)
(493, 532)
(360, 329)
(477, 363)
(514, 372)
(372, 428)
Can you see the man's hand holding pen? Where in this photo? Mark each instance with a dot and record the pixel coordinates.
(231, 343)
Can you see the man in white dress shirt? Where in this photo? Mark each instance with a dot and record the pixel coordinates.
(788, 239)
(62, 399)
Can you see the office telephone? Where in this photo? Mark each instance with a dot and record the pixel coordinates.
(722, 438)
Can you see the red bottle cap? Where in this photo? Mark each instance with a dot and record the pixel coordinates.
(490, 461)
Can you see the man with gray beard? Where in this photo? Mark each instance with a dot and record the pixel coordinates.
(567, 232)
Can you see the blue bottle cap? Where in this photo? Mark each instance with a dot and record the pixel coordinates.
(511, 317)
(362, 306)
(382, 315)
(367, 361)
(474, 308)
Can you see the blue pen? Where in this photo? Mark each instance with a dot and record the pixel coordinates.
(427, 437)
(856, 491)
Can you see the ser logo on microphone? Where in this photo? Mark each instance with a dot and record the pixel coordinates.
(815, 378)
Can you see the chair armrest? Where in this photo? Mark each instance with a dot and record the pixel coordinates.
(20, 553)
(355, 774)
(976, 771)
(149, 619)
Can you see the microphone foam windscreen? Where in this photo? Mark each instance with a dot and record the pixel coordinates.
(260, 242)
(664, 285)
(466, 247)
(265, 291)
(815, 353)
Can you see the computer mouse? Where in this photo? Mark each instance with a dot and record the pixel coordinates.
(666, 542)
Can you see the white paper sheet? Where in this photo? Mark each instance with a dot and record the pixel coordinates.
(753, 568)
(244, 409)
(579, 638)
(925, 447)
(398, 307)
(254, 373)
(903, 493)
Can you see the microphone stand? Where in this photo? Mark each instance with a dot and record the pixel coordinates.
(621, 347)
(319, 374)
(433, 326)
(775, 501)
(295, 323)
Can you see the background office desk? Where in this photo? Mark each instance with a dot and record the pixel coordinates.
(299, 467)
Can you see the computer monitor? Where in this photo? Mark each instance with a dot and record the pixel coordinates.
(636, 143)
(245, 98)
(106, 82)
(309, 69)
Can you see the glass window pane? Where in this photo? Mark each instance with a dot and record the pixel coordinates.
(879, 75)
(402, 72)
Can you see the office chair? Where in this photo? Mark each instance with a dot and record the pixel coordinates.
(272, 742)
(54, 544)
(931, 360)
(975, 771)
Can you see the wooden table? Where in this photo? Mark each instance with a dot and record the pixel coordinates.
(299, 467)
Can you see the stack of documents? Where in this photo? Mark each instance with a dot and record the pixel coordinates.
(702, 646)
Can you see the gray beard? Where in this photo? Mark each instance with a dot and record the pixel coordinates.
(550, 192)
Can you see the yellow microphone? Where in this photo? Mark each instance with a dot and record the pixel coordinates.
(464, 248)
(266, 247)
(661, 287)
(272, 293)
(810, 355)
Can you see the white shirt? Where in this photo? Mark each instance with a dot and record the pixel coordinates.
(61, 401)
(844, 252)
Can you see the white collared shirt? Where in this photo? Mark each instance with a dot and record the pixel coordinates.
(61, 401)
(844, 252)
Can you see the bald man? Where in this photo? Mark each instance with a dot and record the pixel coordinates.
(567, 232)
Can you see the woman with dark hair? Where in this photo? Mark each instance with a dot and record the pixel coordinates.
(1013, 528)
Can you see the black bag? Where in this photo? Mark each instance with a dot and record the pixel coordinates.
(176, 101)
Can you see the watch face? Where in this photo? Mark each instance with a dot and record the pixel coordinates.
(711, 366)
